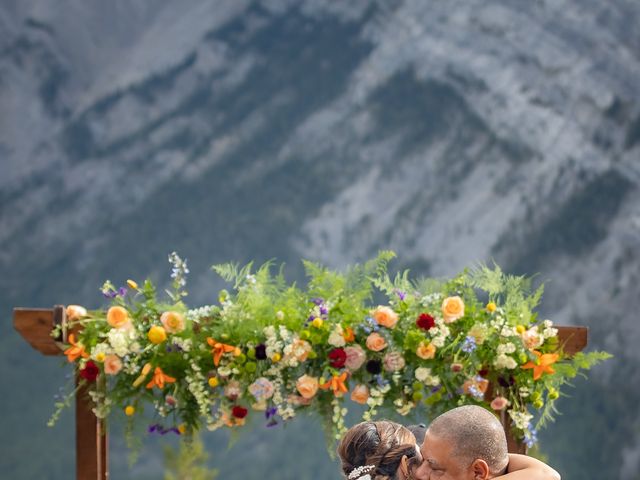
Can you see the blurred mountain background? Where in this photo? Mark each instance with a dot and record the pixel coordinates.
(451, 132)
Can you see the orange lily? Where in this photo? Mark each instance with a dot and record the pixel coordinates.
(336, 384)
(542, 364)
(348, 335)
(159, 379)
(75, 350)
(219, 349)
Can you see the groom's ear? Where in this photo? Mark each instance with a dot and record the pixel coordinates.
(480, 469)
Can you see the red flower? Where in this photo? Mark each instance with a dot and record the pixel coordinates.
(338, 357)
(425, 321)
(90, 372)
(239, 412)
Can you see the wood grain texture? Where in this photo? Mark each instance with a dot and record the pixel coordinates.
(35, 326)
(91, 441)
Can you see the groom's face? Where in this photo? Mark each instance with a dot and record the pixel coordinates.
(440, 461)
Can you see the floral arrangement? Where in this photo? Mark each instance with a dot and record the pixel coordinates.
(273, 349)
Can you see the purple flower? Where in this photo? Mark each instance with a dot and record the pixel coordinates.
(323, 310)
(153, 428)
(530, 436)
(309, 320)
(270, 412)
(401, 294)
(374, 367)
(469, 344)
(261, 352)
(317, 301)
(381, 381)
(109, 293)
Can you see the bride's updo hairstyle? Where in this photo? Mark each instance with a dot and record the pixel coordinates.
(376, 449)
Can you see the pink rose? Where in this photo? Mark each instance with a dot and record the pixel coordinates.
(393, 361)
(499, 403)
(355, 357)
(112, 364)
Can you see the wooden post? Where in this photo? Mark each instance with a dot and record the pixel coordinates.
(572, 340)
(35, 325)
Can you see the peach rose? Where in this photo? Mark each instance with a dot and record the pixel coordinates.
(74, 312)
(385, 316)
(499, 403)
(376, 342)
(452, 309)
(360, 394)
(355, 357)
(118, 317)
(173, 322)
(307, 386)
(426, 350)
(112, 364)
(532, 339)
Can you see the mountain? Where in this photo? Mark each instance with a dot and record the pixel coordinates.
(450, 132)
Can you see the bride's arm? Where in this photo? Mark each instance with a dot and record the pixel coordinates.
(522, 467)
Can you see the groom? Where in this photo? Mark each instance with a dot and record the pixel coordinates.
(468, 443)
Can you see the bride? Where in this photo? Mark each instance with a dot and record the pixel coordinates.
(385, 450)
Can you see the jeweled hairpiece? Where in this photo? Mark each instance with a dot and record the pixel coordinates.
(361, 472)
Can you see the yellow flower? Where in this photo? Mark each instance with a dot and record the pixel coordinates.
(129, 410)
(157, 335)
(521, 329)
(317, 322)
(182, 428)
(491, 307)
(100, 357)
(132, 285)
(276, 357)
(214, 382)
(145, 371)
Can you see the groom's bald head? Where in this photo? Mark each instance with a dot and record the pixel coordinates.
(473, 433)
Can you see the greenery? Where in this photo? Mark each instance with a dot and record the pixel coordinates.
(272, 349)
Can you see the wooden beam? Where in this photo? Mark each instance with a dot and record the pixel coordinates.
(36, 324)
(573, 339)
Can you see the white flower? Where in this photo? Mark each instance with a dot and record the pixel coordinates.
(505, 361)
(100, 350)
(336, 338)
(422, 373)
(506, 348)
(520, 419)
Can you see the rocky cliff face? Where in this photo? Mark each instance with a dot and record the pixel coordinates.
(451, 132)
